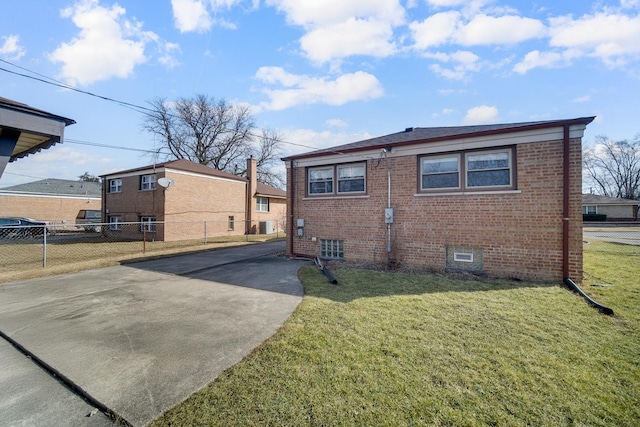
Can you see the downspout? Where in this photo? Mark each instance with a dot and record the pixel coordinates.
(292, 204)
(565, 202)
(565, 227)
(388, 206)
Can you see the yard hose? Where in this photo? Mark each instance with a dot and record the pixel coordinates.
(601, 308)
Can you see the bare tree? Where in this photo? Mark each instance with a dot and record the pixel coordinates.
(613, 167)
(215, 133)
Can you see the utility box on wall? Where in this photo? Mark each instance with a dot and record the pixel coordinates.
(266, 227)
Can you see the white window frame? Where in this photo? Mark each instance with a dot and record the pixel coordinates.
(148, 224)
(586, 208)
(115, 185)
(463, 170)
(114, 223)
(262, 204)
(469, 154)
(326, 181)
(440, 157)
(335, 179)
(148, 182)
(351, 178)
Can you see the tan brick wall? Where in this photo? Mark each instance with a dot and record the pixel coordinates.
(520, 234)
(198, 199)
(55, 209)
(277, 213)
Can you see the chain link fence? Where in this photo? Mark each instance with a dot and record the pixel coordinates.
(56, 245)
(611, 237)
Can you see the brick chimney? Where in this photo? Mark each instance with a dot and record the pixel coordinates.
(252, 184)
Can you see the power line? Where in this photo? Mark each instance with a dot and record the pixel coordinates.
(137, 108)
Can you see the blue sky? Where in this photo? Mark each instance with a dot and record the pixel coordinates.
(320, 73)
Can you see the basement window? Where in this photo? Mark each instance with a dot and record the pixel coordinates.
(463, 256)
(331, 249)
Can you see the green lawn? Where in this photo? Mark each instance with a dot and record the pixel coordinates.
(399, 349)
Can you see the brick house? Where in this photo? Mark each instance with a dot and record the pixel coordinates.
(502, 199)
(225, 203)
(55, 200)
(614, 208)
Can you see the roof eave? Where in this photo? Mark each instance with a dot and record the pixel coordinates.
(539, 125)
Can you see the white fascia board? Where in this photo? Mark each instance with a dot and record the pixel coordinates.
(169, 170)
(219, 178)
(457, 144)
(30, 123)
(48, 195)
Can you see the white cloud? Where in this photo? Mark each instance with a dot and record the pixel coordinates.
(314, 140)
(502, 30)
(435, 30)
(107, 46)
(336, 123)
(480, 115)
(536, 59)
(451, 28)
(336, 29)
(463, 63)
(11, 48)
(315, 14)
(301, 90)
(351, 37)
(191, 15)
(613, 38)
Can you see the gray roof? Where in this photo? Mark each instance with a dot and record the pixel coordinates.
(423, 135)
(594, 199)
(60, 187)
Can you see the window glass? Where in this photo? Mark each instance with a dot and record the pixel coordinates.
(321, 180)
(441, 172)
(148, 224)
(262, 204)
(351, 178)
(114, 223)
(148, 182)
(115, 185)
(231, 223)
(333, 249)
(488, 169)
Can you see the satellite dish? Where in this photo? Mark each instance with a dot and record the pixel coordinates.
(165, 182)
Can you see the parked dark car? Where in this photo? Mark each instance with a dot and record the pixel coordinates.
(87, 217)
(16, 226)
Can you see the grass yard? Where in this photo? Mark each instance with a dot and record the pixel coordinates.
(399, 349)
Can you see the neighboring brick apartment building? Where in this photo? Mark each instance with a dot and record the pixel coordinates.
(501, 199)
(229, 204)
(55, 200)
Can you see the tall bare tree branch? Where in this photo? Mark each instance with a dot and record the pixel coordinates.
(215, 133)
(613, 167)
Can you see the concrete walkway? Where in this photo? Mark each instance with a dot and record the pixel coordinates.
(143, 337)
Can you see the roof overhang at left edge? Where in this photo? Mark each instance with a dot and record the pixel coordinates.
(38, 129)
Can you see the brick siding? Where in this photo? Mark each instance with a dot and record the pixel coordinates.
(520, 233)
(58, 210)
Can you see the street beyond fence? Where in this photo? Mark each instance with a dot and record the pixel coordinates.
(30, 251)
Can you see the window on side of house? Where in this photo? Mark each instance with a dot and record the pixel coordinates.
(114, 223)
(589, 210)
(262, 204)
(331, 249)
(231, 223)
(148, 224)
(440, 172)
(489, 169)
(468, 170)
(320, 180)
(148, 182)
(115, 185)
(351, 178)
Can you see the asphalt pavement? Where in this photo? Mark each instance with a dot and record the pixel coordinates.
(137, 339)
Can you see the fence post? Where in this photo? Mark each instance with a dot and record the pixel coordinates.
(205, 233)
(44, 246)
(144, 238)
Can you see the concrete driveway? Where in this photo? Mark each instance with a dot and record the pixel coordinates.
(142, 337)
